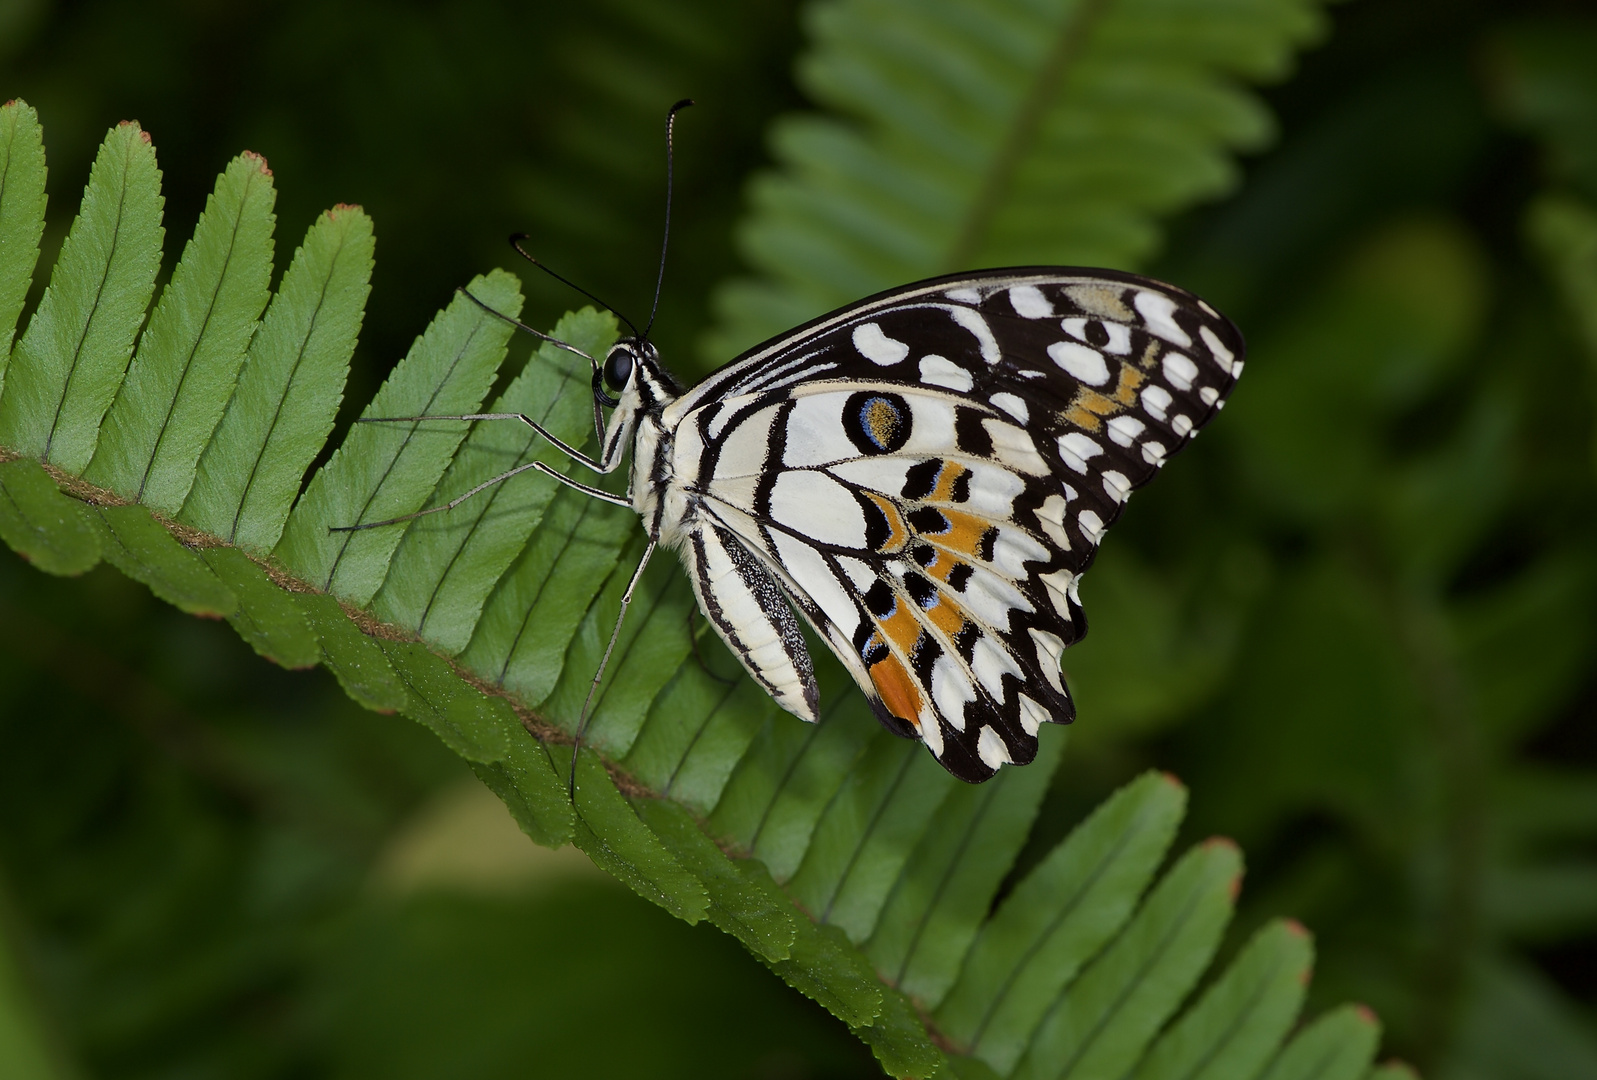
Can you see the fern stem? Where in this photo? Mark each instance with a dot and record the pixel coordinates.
(1072, 37)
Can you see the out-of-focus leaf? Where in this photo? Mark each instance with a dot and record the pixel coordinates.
(1563, 232)
(1516, 1024)
(1057, 919)
(1240, 1021)
(972, 134)
(1542, 79)
(1336, 1046)
(1103, 1024)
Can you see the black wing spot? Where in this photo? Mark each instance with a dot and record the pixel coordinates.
(924, 655)
(965, 640)
(921, 591)
(874, 651)
(960, 490)
(878, 530)
(929, 521)
(879, 599)
(921, 480)
(924, 554)
(959, 577)
(988, 541)
(1097, 334)
(876, 422)
(971, 436)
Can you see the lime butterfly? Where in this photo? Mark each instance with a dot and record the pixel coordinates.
(922, 476)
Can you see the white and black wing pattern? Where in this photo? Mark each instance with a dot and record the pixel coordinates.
(926, 474)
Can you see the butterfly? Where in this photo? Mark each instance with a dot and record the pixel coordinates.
(922, 476)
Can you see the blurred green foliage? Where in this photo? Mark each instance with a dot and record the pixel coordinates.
(1357, 618)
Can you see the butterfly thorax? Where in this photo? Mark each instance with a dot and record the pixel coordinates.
(649, 388)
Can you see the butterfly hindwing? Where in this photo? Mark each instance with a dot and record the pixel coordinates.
(927, 474)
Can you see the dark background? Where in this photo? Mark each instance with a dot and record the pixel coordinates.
(1359, 623)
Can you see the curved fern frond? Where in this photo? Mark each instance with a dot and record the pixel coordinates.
(842, 858)
(1016, 132)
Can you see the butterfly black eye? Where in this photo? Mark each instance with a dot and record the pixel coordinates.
(618, 368)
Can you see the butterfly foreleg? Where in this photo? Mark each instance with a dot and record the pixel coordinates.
(604, 662)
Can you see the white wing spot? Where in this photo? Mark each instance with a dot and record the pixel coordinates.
(1051, 515)
(858, 572)
(812, 504)
(1116, 486)
(951, 689)
(1013, 549)
(1013, 447)
(941, 371)
(877, 347)
(1029, 302)
(1080, 362)
(1217, 348)
(1153, 453)
(983, 333)
(1012, 405)
(932, 732)
(965, 295)
(1155, 400)
(1209, 395)
(1180, 424)
(1180, 370)
(1123, 429)
(1158, 311)
(991, 749)
(1076, 449)
(991, 662)
(1091, 526)
(1049, 648)
(1032, 716)
(1059, 584)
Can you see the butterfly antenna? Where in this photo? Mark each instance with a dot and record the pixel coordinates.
(665, 240)
(515, 242)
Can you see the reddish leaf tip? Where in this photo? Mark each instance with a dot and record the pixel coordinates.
(258, 160)
(1172, 779)
(1295, 928)
(1365, 1014)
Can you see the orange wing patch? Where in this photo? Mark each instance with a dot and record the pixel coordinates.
(1088, 406)
(900, 693)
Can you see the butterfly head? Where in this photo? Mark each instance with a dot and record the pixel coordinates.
(631, 376)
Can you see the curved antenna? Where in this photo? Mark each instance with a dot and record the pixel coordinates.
(515, 242)
(665, 240)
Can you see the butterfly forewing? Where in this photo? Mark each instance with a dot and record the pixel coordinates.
(927, 473)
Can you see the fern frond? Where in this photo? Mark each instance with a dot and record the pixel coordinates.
(997, 134)
(841, 857)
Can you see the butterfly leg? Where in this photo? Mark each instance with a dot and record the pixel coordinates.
(614, 500)
(594, 464)
(604, 662)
